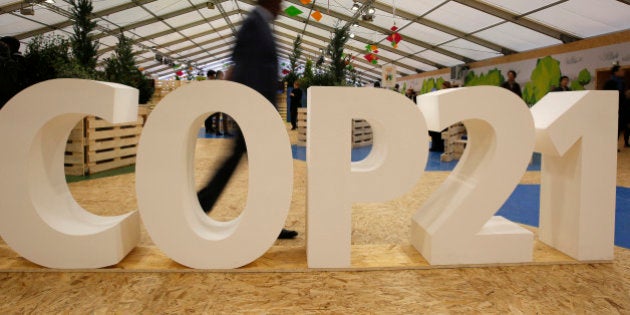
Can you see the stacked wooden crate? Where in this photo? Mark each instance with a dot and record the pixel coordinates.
(454, 144)
(361, 130)
(301, 125)
(111, 146)
(281, 103)
(74, 161)
(361, 133)
(95, 145)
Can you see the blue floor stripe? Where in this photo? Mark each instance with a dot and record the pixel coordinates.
(523, 206)
(433, 163)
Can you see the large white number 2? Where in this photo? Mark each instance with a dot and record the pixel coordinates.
(456, 226)
(575, 132)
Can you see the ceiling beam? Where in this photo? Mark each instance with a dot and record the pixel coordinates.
(385, 32)
(442, 28)
(184, 48)
(361, 39)
(95, 15)
(314, 51)
(373, 76)
(168, 32)
(385, 59)
(520, 20)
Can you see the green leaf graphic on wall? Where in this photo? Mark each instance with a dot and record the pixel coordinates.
(546, 74)
(431, 84)
(584, 78)
(493, 77)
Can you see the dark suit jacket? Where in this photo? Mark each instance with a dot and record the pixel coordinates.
(255, 57)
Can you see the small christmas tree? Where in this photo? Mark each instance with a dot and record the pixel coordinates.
(121, 68)
(84, 47)
(292, 76)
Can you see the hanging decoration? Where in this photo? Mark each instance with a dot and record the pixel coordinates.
(179, 73)
(317, 15)
(305, 2)
(394, 38)
(292, 11)
(372, 54)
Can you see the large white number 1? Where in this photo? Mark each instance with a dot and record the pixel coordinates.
(456, 226)
(575, 132)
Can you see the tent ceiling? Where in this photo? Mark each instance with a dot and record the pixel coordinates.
(436, 33)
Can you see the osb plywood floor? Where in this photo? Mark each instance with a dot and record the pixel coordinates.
(583, 288)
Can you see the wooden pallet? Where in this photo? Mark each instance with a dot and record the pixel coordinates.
(454, 145)
(361, 130)
(74, 160)
(111, 146)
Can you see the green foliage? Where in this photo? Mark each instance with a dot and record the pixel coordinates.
(308, 74)
(46, 57)
(84, 47)
(431, 84)
(292, 76)
(492, 77)
(335, 50)
(335, 73)
(584, 78)
(545, 75)
(12, 79)
(428, 85)
(121, 68)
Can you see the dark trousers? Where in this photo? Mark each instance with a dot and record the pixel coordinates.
(437, 144)
(294, 114)
(209, 194)
(623, 128)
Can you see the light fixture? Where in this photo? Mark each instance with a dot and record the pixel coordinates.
(371, 10)
(351, 35)
(355, 25)
(50, 1)
(355, 7)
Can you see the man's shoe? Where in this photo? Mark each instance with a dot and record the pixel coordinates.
(287, 234)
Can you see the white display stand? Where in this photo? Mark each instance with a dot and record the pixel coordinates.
(456, 224)
(39, 218)
(393, 167)
(576, 134)
(165, 177)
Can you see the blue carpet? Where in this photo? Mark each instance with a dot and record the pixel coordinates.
(433, 163)
(203, 135)
(523, 207)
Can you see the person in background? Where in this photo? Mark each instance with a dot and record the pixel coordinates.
(255, 60)
(437, 143)
(296, 102)
(222, 119)
(12, 69)
(616, 83)
(210, 75)
(511, 84)
(411, 94)
(624, 116)
(564, 84)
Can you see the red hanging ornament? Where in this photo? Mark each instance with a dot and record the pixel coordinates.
(394, 38)
(179, 73)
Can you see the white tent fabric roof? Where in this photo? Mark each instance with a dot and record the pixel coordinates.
(436, 33)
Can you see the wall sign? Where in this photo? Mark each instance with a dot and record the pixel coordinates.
(574, 131)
